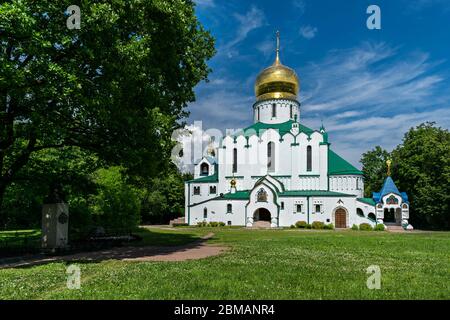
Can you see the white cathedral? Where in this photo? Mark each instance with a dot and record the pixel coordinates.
(278, 171)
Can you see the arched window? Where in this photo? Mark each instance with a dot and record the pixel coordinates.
(259, 114)
(274, 110)
(271, 156)
(372, 216)
(359, 212)
(309, 158)
(204, 169)
(290, 112)
(205, 213)
(234, 160)
(229, 208)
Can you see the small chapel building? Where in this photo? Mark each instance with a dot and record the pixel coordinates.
(277, 171)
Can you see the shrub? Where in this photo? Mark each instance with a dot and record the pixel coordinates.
(202, 224)
(221, 224)
(213, 224)
(308, 226)
(292, 226)
(300, 224)
(329, 226)
(365, 227)
(117, 204)
(355, 227)
(379, 227)
(317, 225)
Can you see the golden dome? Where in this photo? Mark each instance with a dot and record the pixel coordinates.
(277, 81)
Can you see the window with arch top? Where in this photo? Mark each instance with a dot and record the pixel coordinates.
(274, 110)
(204, 169)
(309, 158)
(235, 160)
(229, 208)
(271, 156)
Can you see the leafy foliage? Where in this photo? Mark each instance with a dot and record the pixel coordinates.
(116, 88)
(422, 168)
(374, 168)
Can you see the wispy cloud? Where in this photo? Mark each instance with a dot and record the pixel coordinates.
(205, 3)
(253, 19)
(300, 5)
(371, 75)
(371, 95)
(308, 32)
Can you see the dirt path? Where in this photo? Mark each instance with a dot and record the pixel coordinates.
(196, 250)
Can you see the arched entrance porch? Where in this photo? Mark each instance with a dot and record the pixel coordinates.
(262, 218)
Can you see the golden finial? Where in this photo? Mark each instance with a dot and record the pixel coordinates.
(389, 162)
(277, 59)
(233, 183)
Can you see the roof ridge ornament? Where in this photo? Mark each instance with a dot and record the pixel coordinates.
(389, 162)
(277, 58)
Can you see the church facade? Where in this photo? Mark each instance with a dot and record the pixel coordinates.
(278, 171)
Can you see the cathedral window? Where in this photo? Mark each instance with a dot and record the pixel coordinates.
(270, 156)
(298, 208)
(274, 110)
(205, 213)
(196, 191)
(318, 208)
(290, 112)
(212, 190)
(204, 169)
(259, 114)
(229, 208)
(282, 205)
(234, 160)
(309, 158)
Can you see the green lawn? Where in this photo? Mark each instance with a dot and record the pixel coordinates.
(261, 264)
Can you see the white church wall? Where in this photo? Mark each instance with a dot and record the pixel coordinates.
(349, 184)
(217, 212)
(282, 111)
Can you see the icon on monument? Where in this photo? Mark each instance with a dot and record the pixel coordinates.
(55, 218)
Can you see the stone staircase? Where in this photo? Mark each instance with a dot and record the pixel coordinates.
(261, 225)
(394, 228)
(177, 221)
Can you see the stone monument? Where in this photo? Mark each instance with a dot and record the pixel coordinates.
(55, 221)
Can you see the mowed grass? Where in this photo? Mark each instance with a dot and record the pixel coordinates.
(260, 264)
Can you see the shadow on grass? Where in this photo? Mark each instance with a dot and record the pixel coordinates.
(176, 246)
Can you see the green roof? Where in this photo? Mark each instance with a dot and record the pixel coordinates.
(238, 195)
(283, 128)
(315, 193)
(368, 201)
(337, 165)
(211, 179)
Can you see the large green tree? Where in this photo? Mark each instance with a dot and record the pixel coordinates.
(374, 168)
(116, 87)
(422, 168)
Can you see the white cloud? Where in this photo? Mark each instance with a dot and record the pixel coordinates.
(308, 32)
(251, 20)
(371, 75)
(300, 5)
(205, 3)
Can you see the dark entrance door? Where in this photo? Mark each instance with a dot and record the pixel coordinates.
(389, 215)
(340, 218)
(264, 214)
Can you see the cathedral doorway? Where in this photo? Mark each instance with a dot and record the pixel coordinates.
(262, 218)
(340, 218)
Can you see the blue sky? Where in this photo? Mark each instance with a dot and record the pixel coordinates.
(367, 86)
